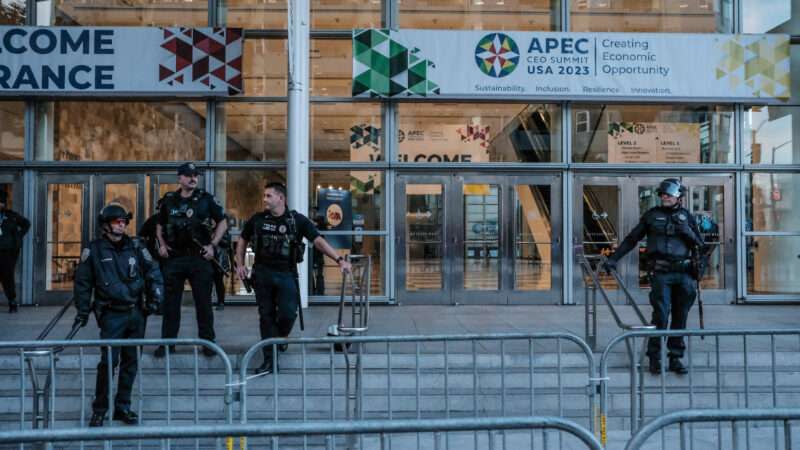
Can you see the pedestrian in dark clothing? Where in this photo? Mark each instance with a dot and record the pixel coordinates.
(123, 278)
(672, 236)
(13, 228)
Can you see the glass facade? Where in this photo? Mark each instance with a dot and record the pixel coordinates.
(497, 169)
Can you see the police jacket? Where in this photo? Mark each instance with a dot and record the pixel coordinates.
(184, 220)
(118, 274)
(671, 235)
(13, 228)
(276, 241)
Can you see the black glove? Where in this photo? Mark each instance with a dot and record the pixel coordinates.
(81, 320)
(151, 308)
(610, 265)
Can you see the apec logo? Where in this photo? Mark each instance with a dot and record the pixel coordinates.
(497, 55)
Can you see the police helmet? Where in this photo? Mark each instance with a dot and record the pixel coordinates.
(671, 187)
(113, 211)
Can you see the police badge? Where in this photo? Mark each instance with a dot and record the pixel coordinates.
(85, 254)
(189, 213)
(282, 229)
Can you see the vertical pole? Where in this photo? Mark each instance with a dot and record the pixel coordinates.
(297, 159)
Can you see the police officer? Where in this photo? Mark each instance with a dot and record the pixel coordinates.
(190, 225)
(672, 235)
(13, 228)
(276, 235)
(120, 272)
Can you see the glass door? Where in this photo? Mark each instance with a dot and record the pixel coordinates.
(478, 239)
(125, 189)
(62, 230)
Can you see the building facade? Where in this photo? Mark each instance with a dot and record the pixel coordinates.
(485, 200)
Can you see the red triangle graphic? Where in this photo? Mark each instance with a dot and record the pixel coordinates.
(205, 81)
(168, 34)
(198, 36)
(171, 45)
(179, 79)
(202, 45)
(233, 34)
(219, 73)
(181, 64)
(187, 31)
(236, 63)
(164, 73)
(236, 82)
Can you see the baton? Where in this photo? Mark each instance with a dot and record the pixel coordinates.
(213, 261)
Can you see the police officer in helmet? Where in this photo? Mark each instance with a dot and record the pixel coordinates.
(127, 287)
(672, 236)
(276, 236)
(190, 226)
(13, 228)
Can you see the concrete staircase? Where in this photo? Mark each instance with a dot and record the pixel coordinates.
(310, 391)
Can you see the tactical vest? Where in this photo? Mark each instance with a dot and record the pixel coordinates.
(183, 222)
(117, 282)
(277, 244)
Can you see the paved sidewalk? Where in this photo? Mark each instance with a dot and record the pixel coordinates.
(237, 325)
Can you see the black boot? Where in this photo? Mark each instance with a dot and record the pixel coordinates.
(161, 351)
(675, 365)
(126, 416)
(655, 366)
(12, 307)
(97, 419)
(265, 368)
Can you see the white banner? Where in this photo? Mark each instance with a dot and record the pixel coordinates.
(120, 61)
(690, 67)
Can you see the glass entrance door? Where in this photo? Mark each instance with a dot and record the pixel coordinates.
(610, 207)
(70, 204)
(477, 239)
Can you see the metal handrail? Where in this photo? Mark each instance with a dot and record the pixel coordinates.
(381, 427)
(52, 324)
(724, 415)
(359, 290)
(590, 304)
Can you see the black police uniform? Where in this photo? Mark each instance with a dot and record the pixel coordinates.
(182, 221)
(274, 271)
(671, 234)
(13, 228)
(119, 274)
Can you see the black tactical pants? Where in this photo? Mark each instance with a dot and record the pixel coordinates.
(8, 264)
(200, 274)
(671, 292)
(117, 325)
(277, 298)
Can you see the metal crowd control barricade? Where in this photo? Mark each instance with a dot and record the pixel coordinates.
(381, 428)
(718, 377)
(66, 382)
(784, 415)
(424, 377)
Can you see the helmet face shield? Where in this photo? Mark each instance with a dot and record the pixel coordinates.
(671, 187)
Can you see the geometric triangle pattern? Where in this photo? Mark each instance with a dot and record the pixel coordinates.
(759, 62)
(211, 57)
(384, 67)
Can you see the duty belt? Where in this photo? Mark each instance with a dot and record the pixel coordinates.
(118, 307)
(663, 265)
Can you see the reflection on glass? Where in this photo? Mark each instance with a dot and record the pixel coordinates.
(769, 16)
(9, 188)
(357, 194)
(345, 14)
(652, 134)
(773, 263)
(254, 14)
(121, 131)
(647, 199)
(326, 277)
(186, 13)
(772, 202)
(768, 137)
(265, 67)
(127, 196)
(600, 234)
(346, 132)
(470, 133)
(707, 205)
(677, 16)
(533, 238)
(252, 132)
(424, 234)
(12, 130)
(482, 250)
(331, 67)
(518, 15)
(64, 229)
(12, 12)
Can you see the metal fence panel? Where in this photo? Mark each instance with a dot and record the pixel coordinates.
(57, 382)
(727, 369)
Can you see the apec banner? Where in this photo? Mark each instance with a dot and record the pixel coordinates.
(126, 61)
(690, 67)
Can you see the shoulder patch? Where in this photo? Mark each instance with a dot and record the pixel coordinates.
(85, 254)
